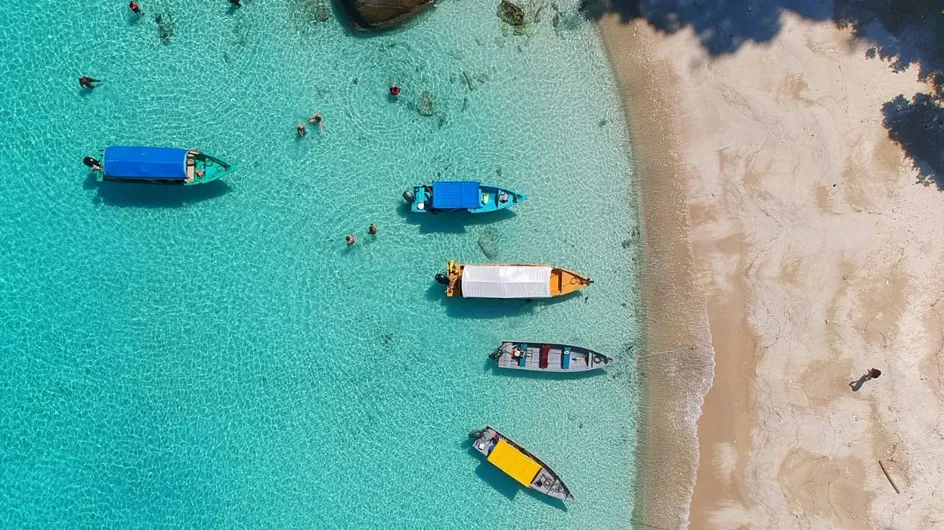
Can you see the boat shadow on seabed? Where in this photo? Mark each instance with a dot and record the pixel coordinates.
(149, 196)
(507, 486)
(451, 222)
(488, 308)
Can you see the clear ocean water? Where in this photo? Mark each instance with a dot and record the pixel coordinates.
(216, 356)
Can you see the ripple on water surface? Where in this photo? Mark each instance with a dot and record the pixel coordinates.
(216, 356)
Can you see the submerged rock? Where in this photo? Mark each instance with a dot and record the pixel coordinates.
(322, 11)
(425, 107)
(510, 13)
(488, 243)
(383, 14)
(165, 27)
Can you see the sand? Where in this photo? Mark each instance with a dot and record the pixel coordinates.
(777, 213)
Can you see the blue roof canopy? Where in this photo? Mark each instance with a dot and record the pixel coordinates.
(145, 163)
(456, 195)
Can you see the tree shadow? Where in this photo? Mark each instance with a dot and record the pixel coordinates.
(918, 127)
(153, 196)
(901, 33)
(721, 26)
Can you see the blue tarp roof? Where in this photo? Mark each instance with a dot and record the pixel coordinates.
(145, 163)
(453, 195)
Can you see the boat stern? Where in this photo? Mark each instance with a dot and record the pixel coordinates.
(418, 196)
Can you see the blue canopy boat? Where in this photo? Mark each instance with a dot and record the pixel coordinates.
(462, 196)
(160, 165)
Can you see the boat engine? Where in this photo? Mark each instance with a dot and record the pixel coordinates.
(475, 435)
(408, 196)
(442, 278)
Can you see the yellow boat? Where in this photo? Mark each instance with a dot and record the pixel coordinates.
(510, 280)
(519, 463)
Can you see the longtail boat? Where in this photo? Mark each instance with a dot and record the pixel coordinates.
(521, 280)
(160, 165)
(519, 464)
(548, 357)
(465, 196)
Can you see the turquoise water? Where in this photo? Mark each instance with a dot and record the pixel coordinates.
(217, 357)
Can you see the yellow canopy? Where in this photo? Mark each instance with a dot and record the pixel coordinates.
(512, 461)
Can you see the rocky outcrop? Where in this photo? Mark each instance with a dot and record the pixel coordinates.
(510, 13)
(369, 15)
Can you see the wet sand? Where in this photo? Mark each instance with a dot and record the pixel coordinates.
(787, 250)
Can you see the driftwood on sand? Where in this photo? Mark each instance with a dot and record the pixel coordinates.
(889, 477)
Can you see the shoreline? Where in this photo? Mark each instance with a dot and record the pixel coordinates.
(786, 239)
(677, 342)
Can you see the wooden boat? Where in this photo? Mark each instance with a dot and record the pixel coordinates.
(548, 357)
(161, 165)
(519, 464)
(515, 280)
(466, 196)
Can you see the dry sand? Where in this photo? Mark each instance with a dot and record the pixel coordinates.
(773, 197)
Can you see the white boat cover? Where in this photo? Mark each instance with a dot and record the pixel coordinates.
(506, 281)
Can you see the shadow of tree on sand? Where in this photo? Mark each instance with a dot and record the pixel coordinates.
(906, 34)
(918, 127)
(722, 26)
(902, 33)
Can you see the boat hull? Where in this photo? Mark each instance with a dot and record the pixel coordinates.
(489, 198)
(548, 357)
(213, 169)
(562, 282)
(545, 481)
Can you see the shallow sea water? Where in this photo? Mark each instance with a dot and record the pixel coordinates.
(217, 357)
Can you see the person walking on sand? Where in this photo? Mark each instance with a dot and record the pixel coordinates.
(88, 82)
(301, 131)
(873, 373)
(350, 239)
(133, 6)
(372, 230)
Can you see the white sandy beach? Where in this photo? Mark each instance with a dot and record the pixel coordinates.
(817, 256)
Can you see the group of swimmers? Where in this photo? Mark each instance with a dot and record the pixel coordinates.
(372, 230)
(301, 130)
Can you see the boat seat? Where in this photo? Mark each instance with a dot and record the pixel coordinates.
(485, 198)
(523, 357)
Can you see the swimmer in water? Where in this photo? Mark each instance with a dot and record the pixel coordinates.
(316, 119)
